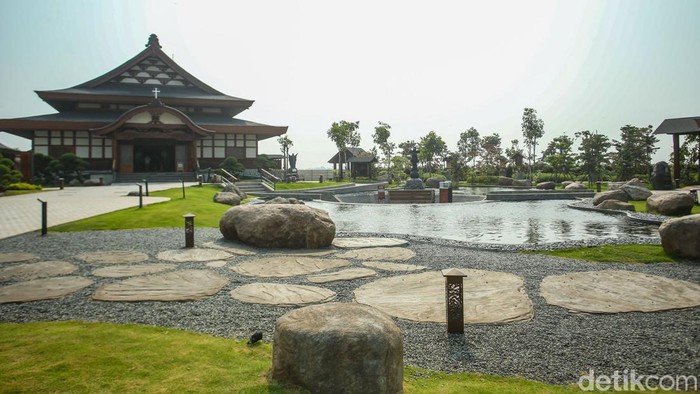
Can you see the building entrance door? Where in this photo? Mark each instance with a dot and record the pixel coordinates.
(154, 156)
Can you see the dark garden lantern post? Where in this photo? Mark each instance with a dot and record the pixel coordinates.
(454, 300)
(189, 230)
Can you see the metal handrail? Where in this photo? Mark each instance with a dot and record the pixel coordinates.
(268, 178)
(231, 177)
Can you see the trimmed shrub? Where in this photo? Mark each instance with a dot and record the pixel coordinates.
(23, 186)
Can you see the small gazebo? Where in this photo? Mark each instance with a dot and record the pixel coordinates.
(677, 127)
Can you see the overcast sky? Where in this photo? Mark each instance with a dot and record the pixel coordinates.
(420, 66)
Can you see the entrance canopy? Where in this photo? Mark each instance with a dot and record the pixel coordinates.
(677, 127)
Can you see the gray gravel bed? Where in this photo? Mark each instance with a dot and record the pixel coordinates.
(556, 346)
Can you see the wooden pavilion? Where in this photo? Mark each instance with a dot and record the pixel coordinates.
(677, 127)
(146, 115)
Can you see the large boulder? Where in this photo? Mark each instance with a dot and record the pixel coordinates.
(433, 183)
(616, 205)
(546, 185)
(522, 182)
(679, 237)
(661, 177)
(227, 198)
(673, 204)
(618, 195)
(575, 186)
(293, 226)
(505, 181)
(284, 200)
(231, 188)
(338, 348)
(636, 193)
(564, 184)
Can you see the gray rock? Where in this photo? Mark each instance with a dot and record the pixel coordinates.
(414, 184)
(228, 198)
(522, 182)
(546, 185)
(91, 182)
(566, 183)
(610, 195)
(293, 226)
(505, 181)
(661, 177)
(231, 188)
(679, 237)
(672, 204)
(74, 182)
(636, 193)
(635, 182)
(574, 186)
(282, 200)
(338, 348)
(616, 205)
(433, 183)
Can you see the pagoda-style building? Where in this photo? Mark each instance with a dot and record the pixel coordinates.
(147, 115)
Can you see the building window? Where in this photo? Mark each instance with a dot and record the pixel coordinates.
(251, 153)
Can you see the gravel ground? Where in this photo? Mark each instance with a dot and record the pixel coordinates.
(556, 346)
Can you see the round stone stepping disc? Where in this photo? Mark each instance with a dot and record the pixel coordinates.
(231, 247)
(17, 257)
(113, 257)
(170, 286)
(301, 252)
(367, 242)
(193, 255)
(378, 253)
(120, 271)
(614, 291)
(281, 294)
(37, 270)
(384, 266)
(42, 289)
(347, 274)
(216, 264)
(489, 297)
(284, 266)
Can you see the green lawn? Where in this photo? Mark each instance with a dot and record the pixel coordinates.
(80, 357)
(613, 254)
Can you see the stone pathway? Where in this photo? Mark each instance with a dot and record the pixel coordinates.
(489, 297)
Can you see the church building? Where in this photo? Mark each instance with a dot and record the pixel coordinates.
(148, 115)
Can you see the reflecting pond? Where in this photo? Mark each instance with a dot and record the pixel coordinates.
(485, 221)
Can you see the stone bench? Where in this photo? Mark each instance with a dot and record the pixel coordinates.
(411, 196)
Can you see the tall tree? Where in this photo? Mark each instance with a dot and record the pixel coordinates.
(515, 155)
(406, 147)
(381, 135)
(491, 153)
(344, 134)
(533, 129)
(593, 156)
(431, 148)
(689, 153)
(469, 145)
(634, 151)
(559, 155)
(285, 143)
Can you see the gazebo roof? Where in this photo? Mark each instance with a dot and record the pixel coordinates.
(690, 125)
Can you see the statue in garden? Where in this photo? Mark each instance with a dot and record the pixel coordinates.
(415, 182)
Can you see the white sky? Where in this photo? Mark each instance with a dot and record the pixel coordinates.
(417, 65)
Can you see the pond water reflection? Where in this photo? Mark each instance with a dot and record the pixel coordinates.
(485, 221)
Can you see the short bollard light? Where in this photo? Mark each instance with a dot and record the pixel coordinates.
(189, 230)
(145, 182)
(183, 189)
(140, 195)
(61, 183)
(598, 186)
(454, 300)
(199, 180)
(44, 210)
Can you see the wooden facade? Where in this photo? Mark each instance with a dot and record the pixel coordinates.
(147, 115)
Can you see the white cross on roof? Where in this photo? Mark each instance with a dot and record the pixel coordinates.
(156, 91)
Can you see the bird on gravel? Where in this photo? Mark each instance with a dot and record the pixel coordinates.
(255, 338)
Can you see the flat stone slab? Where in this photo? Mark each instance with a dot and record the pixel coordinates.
(42, 289)
(393, 267)
(367, 242)
(489, 297)
(170, 286)
(17, 257)
(613, 291)
(216, 264)
(347, 274)
(301, 252)
(41, 269)
(281, 294)
(193, 255)
(121, 271)
(238, 248)
(284, 266)
(378, 253)
(113, 257)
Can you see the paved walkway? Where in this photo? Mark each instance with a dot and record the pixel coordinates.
(22, 214)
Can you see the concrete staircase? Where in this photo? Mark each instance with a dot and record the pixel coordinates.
(137, 177)
(254, 186)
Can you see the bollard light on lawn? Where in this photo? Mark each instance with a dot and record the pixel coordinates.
(140, 195)
(44, 221)
(145, 182)
(454, 300)
(199, 180)
(598, 186)
(183, 188)
(189, 230)
(61, 183)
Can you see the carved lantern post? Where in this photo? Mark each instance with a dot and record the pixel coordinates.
(454, 300)
(189, 230)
